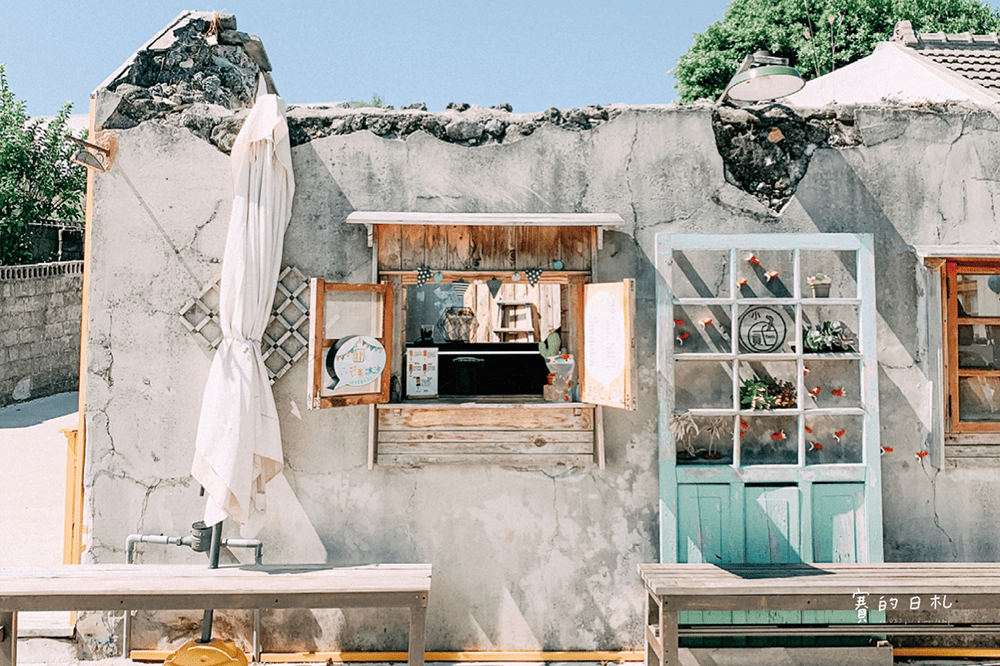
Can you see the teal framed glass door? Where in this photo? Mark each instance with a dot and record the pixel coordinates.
(768, 393)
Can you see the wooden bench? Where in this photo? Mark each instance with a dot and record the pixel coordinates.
(122, 587)
(939, 587)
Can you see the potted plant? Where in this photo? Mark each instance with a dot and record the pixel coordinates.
(820, 285)
(684, 429)
(716, 430)
(832, 336)
(757, 393)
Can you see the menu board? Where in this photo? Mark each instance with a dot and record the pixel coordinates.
(422, 372)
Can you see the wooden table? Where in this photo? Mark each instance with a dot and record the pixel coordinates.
(940, 587)
(123, 587)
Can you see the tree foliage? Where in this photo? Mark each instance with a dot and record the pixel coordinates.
(37, 179)
(817, 36)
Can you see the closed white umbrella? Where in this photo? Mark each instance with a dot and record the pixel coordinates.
(238, 446)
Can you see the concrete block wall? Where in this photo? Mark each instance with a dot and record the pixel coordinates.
(41, 306)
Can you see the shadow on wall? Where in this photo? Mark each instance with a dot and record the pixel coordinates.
(316, 241)
(837, 201)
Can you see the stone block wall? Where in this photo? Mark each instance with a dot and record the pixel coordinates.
(40, 308)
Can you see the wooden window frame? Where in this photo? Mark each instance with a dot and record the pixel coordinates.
(954, 428)
(317, 341)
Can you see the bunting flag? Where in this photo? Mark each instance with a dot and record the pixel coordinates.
(423, 275)
(494, 286)
(533, 275)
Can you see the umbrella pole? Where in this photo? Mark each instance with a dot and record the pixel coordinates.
(213, 563)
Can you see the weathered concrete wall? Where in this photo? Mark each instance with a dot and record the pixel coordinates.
(523, 559)
(40, 330)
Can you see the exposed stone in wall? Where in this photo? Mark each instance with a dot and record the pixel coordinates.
(204, 61)
(462, 124)
(40, 338)
(766, 151)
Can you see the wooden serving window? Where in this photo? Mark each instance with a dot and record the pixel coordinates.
(971, 307)
(491, 296)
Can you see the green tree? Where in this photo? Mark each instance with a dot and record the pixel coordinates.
(37, 179)
(817, 36)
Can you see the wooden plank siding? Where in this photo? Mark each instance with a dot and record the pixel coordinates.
(518, 435)
(472, 248)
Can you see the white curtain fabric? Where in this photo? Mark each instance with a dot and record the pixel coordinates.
(238, 446)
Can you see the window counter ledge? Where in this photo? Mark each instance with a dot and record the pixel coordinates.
(523, 435)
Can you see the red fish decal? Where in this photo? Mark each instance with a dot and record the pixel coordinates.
(742, 282)
(778, 435)
(753, 260)
(815, 392)
(809, 430)
(771, 275)
(922, 454)
(805, 371)
(743, 424)
(815, 446)
(678, 322)
(839, 434)
(706, 321)
(886, 449)
(838, 392)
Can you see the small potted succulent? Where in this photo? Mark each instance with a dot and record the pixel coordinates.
(830, 336)
(820, 285)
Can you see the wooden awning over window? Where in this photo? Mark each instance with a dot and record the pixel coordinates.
(484, 241)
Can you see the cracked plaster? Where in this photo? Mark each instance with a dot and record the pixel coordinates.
(522, 559)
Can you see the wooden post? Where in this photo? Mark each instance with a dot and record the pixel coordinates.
(8, 639)
(74, 497)
(418, 622)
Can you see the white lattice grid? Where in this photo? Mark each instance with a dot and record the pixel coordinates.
(285, 338)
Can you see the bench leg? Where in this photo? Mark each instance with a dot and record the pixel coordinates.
(418, 622)
(8, 644)
(668, 638)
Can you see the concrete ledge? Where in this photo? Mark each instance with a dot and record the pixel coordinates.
(806, 656)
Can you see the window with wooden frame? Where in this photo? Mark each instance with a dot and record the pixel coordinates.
(971, 339)
(483, 299)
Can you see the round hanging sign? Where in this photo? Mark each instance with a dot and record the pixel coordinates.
(762, 330)
(355, 361)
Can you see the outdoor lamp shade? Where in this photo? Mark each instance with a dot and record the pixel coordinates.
(763, 83)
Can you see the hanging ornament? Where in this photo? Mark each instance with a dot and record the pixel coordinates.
(460, 286)
(423, 275)
(438, 277)
(558, 265)
(533, 275)
(515, 276)
(494, 286)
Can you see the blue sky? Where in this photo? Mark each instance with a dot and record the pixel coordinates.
(533, 54)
